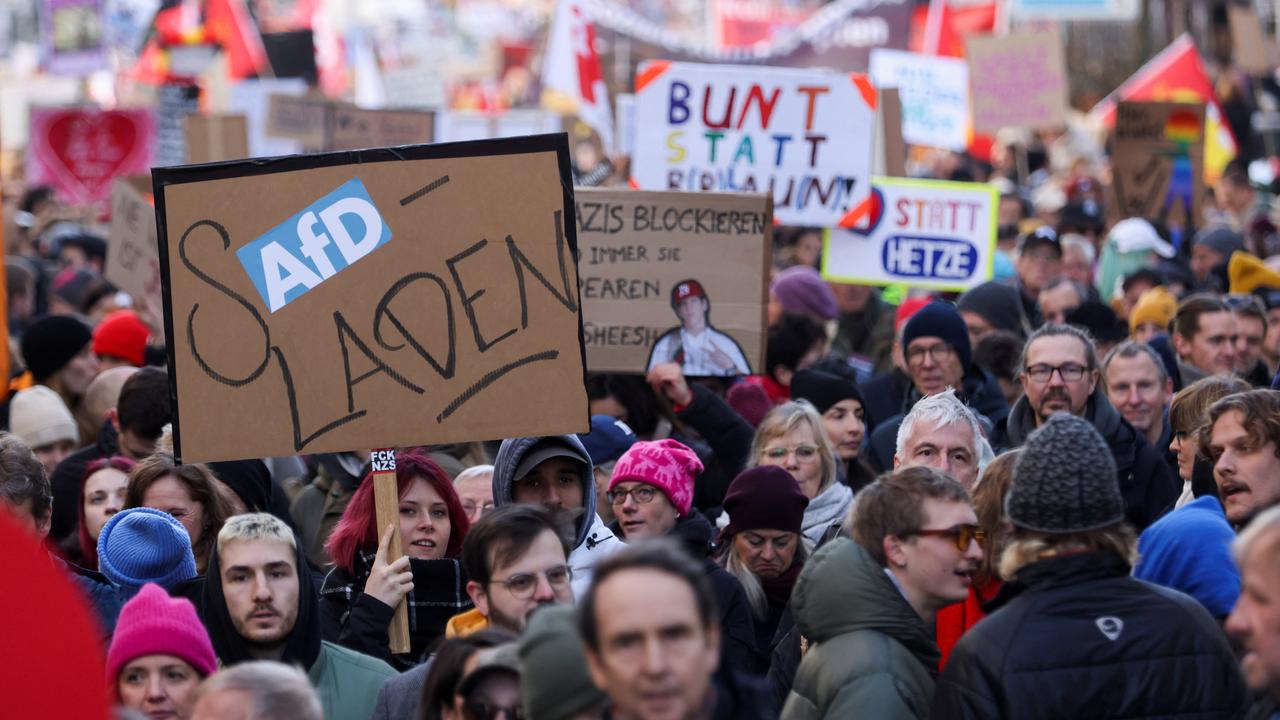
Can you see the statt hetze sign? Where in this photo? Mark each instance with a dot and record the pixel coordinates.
(920, 233)
(804, 137)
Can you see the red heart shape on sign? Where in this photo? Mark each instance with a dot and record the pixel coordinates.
(89, 150)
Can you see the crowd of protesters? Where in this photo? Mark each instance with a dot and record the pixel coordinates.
(1053, 495)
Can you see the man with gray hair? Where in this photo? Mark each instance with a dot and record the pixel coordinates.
(941, 432)
(1138, 385)
(258, 690)
(1255, 621)
(1060, 374)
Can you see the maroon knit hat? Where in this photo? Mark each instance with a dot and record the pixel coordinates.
(764, 498)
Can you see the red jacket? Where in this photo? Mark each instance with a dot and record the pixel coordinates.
(954, 620)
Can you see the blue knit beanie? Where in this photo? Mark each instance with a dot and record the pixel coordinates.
(941, 320)
(142, 545)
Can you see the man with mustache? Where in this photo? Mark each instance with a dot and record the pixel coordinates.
(1242, 440)
(867, 605)
(1060, 375)
(260, 603)
(1072, 634)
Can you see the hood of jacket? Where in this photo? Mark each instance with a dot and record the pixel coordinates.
(514, 450)
(302, 647)
(981, 392)
(1060, 571)
(842, 589)
(1098, 411)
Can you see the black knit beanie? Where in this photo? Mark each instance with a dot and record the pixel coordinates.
(1064, 481)
(822, 389)
(52, 342)
(941, 320)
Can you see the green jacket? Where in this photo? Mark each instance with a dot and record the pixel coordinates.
(870, 654)
(347, 682)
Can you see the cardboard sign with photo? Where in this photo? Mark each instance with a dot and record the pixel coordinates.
(380, 298)
(1158, 162)
(674, 277)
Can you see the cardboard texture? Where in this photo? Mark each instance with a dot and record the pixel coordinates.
(639, 246)
(329, 125)
(1158, 162)
(433, 298)
(214, 138)
(133, 262)
(1252, 51)
(891, 149)
(924, 234)
(805, 136)
(1018, 80)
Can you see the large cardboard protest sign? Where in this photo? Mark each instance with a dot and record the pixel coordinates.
(647, 254)
(81, 150)
(1017, 80)
(922, 233)
(133, 261)
(1157, 165)
(802, 136)
(383, 298)
(934, 92)
(329, 125)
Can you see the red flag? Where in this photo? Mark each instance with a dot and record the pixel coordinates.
(228, 22)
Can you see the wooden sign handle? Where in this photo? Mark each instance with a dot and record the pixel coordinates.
(386, 500)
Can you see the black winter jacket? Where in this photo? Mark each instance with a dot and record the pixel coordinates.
(1146, 483)
(1076, 637)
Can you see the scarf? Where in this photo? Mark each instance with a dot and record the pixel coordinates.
(778, 589)
(439, 593)
(827, 509)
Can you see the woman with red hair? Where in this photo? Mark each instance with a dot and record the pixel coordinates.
(102, 494)
(360, 593)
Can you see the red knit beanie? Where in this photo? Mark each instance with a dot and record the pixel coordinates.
(122, 335)
(665, 464)
(152, 623)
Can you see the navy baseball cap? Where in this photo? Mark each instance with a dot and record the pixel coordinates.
(608, 439)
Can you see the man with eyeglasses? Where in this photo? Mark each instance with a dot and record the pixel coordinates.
(556, 472)
(1071, 633)
(867, 605)
(516, 561)
(1060, 376)
(935, 343)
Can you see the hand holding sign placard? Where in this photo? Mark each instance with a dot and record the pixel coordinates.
(372, 299)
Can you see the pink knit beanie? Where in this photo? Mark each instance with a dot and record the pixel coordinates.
(152, 623)
(665, 464)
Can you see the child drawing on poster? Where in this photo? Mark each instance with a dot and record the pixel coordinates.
(696, 346)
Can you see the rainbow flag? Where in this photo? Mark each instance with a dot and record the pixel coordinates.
(1177, 75)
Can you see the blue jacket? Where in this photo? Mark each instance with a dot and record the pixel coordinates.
(1190, 550)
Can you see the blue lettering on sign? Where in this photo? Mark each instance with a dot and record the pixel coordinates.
(929, 258)
(312, 246)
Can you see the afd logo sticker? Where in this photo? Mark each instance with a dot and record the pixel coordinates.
(934, 258)
(320, 241)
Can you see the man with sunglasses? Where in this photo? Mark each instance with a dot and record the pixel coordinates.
(1072, 634)
(867, 605)
(1060, 375)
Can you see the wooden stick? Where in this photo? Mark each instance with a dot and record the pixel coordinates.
(386, 500)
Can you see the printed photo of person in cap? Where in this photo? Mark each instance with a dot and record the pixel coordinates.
(695, 345)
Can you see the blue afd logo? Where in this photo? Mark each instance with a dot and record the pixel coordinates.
(312, 246)
(939, 259)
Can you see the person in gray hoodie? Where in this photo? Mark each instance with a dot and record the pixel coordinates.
(556, 471)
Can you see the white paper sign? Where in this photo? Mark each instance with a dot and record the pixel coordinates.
(935, 96)
(804, 136)
(921, 233)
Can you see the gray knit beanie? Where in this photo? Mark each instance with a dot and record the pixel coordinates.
(555, 682)
(1065, 480)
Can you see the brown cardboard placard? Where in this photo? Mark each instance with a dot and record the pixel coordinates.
(214, 138)
(435, 299)
(645, 251)
(1249, 46)
(305, 119)
(1018, 80)
(133, 262)
(892, 147)
(352, 128)
(1158, 162)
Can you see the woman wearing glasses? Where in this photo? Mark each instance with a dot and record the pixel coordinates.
(651, 493)
(763, 548)
(360, 594)
(792, 437)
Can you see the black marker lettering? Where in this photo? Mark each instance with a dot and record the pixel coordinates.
(468, 301)
(518, 258)
(344, 332)
(445, 371)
